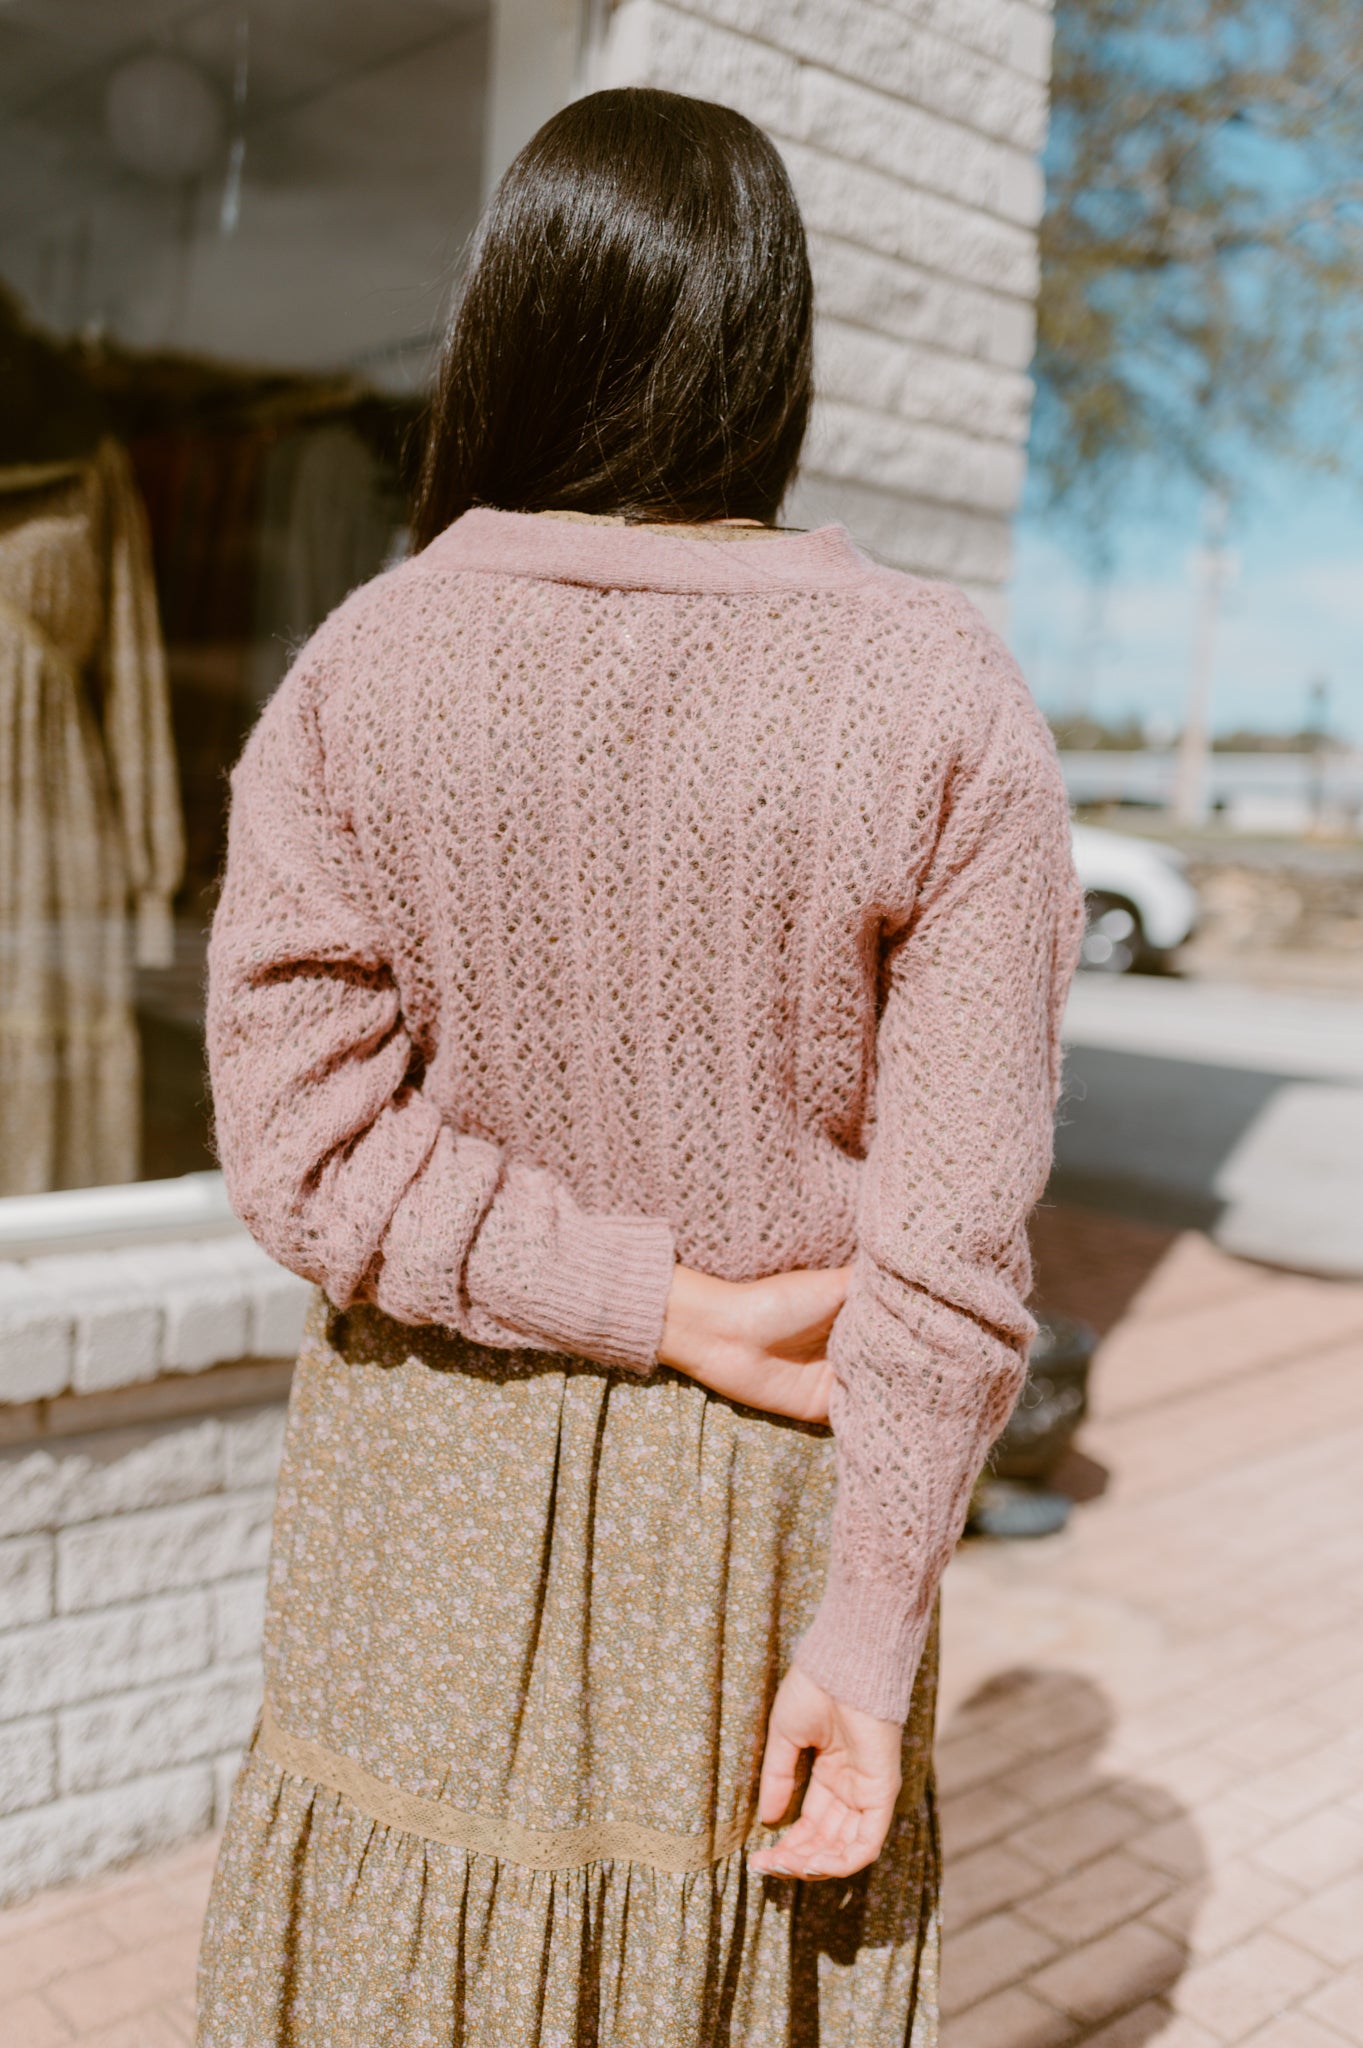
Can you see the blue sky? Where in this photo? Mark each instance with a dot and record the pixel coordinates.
(1293, 610)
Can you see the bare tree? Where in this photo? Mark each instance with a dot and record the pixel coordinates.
(1202, 248)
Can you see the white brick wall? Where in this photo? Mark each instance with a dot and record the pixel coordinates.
(131, 1599)
(90, 1321)
(912, 130)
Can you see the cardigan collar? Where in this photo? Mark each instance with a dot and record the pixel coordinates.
(645, 558)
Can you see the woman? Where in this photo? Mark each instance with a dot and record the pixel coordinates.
(633, 1002)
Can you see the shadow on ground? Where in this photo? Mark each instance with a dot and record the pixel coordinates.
(1120, 1868)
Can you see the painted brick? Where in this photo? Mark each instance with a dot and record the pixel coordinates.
(109, 1741)
(889, 375)
(238, 1609)
(204, 1305)
(130, 1556)
(117, 1324)
(759, 78)
(76, 1479)
(869, 127)
(1031, 33)
(84, 1656)
(253, 1442)
(977, 24)
(867, 288)
(805, 103)
(879, 212)
(37, 1338)
(277, 1300)
(932, 540)
(1014, 331)
(28, 1763)
(915, 458)
(862, 39)
(25, 1580)
(75, 1838)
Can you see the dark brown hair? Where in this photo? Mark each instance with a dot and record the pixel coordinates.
(633, 331)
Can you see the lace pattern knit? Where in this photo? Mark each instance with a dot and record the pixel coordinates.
(601, 896)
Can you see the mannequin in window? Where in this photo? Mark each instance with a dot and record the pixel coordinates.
(91, 834)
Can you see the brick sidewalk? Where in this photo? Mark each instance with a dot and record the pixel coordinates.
(1151, 1750)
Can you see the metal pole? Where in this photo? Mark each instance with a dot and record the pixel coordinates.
(1189, 805)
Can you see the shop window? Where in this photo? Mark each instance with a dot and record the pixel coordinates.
(226, 236)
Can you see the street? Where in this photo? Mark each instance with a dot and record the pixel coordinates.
(1207, 1106)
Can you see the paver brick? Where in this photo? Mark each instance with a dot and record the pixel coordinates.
(31, 1960)
(1316, 1851)
(147, 2029)
(1010, 2019)
(125, 1984)
(1339, 2004)
(972, 1759)
(985, 1881)
(1309, 1782)
(30, 2022)
(1293, 2030)
(1096, 1898)
(1330, 1923)
(1234, 1900)
(989, 1955)
(1248, 1985)
(1073, 1834)
(1105, 1976)
(1151, 2021)
(981, 1815)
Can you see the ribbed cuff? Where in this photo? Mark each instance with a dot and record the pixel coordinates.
(605, 1294)
(865, 1643)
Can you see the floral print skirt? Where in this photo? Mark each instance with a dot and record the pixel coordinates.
(525, 1619)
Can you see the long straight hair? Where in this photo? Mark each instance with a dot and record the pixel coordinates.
(632, 335)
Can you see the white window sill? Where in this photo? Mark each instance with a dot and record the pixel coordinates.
(89, 1219)
(103, 1287)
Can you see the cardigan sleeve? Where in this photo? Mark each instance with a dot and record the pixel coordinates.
(337, 1161)
(929, 1349)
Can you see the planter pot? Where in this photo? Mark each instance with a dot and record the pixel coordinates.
(1052, 1404)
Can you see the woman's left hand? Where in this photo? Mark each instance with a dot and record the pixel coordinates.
(850, 1798)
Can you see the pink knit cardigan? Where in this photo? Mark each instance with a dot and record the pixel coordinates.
(602, 896)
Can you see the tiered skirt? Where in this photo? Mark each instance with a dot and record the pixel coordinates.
(525, 1619)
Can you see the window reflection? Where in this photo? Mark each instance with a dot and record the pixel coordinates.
(226, 235)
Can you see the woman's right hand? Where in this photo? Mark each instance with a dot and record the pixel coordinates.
(758, 1342)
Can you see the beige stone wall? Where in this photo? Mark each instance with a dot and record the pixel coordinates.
(912, 131)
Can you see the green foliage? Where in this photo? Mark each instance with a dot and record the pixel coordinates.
(1202, 247)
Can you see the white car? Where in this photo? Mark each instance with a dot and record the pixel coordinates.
(1140, 902)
